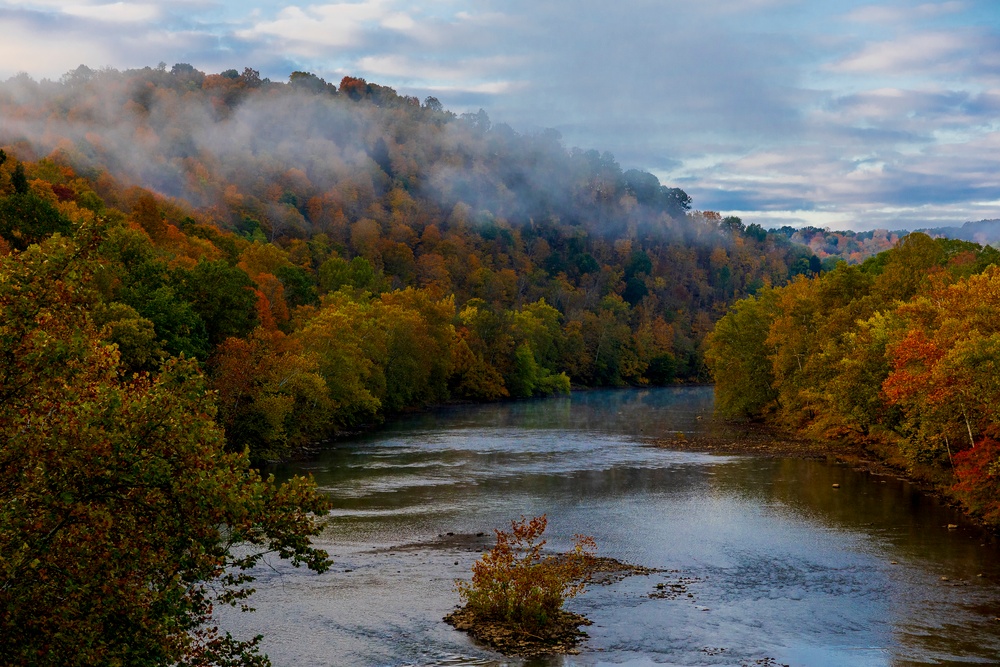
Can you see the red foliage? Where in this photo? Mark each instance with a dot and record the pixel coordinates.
(353, 87)
(978, 472)
(912, 360)
(63, 192)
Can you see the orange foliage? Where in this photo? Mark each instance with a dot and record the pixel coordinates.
(515, 583)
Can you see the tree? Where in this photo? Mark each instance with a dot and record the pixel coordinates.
(678, 202)
(354, 87)
(515, 584)
(120, 513)
(18, 180)
(223, 297)
(738, 357)
(271, 396)
(26, 218)
(133, 274)
(335, 336)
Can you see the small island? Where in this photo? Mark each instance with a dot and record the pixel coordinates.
(514, 601)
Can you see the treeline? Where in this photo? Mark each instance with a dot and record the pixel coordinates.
(300, 341)
(293, 352)
(900, 353)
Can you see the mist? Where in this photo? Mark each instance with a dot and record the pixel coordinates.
(302, 158)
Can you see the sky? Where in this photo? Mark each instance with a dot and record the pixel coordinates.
(847, 115)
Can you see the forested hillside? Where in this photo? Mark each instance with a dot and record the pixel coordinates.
(335, 254)
(833, 246)
(899, 353)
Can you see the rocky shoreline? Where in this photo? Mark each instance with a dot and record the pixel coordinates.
(561, 635)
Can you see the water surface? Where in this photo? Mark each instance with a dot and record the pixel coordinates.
(783, 568)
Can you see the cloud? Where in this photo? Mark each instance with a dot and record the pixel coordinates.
(22, 48)
(323, 27)
(903, 13)
(917, 51)
(118, 12)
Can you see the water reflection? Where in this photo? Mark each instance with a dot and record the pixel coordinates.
(785, 567)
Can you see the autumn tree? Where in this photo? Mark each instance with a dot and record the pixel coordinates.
(26, 218)
(222, 295)
(120, 511)
(740, 360)
(271, 397)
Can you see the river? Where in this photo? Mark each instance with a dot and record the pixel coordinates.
(780, 567)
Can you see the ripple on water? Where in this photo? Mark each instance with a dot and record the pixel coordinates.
(780, 568)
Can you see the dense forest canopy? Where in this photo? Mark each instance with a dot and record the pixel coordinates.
(200, 273)
(900, 353)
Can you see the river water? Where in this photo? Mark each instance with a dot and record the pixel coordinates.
(780, 567)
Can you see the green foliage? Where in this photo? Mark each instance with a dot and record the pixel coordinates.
(122, 520)
(134, 335)
(662, 369)
(336, 337)
(515, 583)
(611, 358)
(299, 288)
(134, 275)
(523, 379)
(738, 357)
(222, 295)
(18, 180)
(337, 272)
(26, 218)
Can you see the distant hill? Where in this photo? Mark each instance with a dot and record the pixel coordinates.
(984, 232)
(318, 187)
(833, 246)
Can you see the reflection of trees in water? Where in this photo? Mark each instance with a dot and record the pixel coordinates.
(929, 618)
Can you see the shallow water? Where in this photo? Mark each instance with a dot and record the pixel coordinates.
(783, 567)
